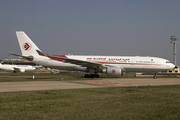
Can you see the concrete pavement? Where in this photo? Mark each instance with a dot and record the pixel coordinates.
(89, 83)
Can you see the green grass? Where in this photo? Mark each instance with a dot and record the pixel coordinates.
(28, 76)
(143, 103)
(150, 103)
(38, 76)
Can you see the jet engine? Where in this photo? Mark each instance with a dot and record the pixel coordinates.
(115, 71)
(22, 70)
(19, 70)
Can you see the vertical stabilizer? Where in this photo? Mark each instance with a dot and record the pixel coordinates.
(26, 44)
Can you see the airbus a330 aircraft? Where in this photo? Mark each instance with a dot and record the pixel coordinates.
(17, 68)
(111, 65)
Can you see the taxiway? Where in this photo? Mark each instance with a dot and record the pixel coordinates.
(90, 83)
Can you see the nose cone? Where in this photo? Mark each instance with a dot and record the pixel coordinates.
(172, 66)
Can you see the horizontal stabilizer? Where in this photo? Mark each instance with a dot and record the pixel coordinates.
(30, 58)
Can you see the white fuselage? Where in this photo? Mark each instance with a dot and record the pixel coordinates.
(20, 68)
(126, 63)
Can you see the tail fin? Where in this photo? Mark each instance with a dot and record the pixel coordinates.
(26, 44)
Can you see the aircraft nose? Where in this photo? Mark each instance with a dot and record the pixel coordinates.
(172, 65)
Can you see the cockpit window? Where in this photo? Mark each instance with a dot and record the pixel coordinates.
(167, 62)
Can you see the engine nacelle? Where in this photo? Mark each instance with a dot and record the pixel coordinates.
(22, 70)
(115, 71)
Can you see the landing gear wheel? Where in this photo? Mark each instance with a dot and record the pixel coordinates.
(155, 77)
(96, 75)
(86, 76)
(91, 76)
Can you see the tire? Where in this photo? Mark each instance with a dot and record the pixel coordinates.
(86, 76)
(96, 75)
(155, 77)
(91, 76)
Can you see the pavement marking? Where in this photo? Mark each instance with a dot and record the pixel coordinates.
(105, 83)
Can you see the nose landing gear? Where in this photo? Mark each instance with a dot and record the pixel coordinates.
(155, 77)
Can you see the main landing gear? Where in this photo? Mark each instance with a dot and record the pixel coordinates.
(91, 76)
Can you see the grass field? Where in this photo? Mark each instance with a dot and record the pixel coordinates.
(142, 103)
(27, 76)
(38, 76)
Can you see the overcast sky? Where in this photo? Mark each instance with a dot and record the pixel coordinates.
(92, 27)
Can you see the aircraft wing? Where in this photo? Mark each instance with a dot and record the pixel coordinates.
(16, 69)
(74, 61)
(78, 62)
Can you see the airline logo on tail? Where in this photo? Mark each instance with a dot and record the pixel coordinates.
(27, 46)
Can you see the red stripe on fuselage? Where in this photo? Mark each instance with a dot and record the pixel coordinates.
(63, 56)
(127, 63)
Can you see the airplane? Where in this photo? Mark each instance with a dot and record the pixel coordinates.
(111, 65)
(17, 68)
